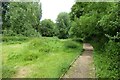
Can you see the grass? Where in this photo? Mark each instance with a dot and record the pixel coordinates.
(103, 68)
(0, 60)
(39, 57)
(105, 61)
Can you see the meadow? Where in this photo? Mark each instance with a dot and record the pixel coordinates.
(45, 57)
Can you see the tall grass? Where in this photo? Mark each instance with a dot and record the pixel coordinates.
(43, 57)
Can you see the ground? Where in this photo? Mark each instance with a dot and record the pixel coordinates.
(38, 57)
(83, 67)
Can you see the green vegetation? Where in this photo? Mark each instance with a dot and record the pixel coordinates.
(98, 23)
(63, 25)
(47, 28)
(107, 60)
(25, 47)
(41, 57)
(21, 18)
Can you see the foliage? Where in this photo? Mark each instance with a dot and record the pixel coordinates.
(47, 28)
(78, 10)
(21, 19)
(110, 56)
(96, 19)
(99, 23)
(71, 45)
(4, 10)
(74, 30)
(63, 24)
(110, 22)
(43, 57)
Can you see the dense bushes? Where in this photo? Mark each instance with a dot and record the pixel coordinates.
(107, 60)
(113, 54)
(70, 44)
(106, 57)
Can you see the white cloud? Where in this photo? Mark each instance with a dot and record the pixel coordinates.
(51, 8)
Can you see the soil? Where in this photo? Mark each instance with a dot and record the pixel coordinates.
(22, 72)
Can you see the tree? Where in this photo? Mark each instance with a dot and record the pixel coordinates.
(4, 11)
(47, 28)
(63, 24)
(78, 9)
(91, 17)
(110, 22)
(22, 19)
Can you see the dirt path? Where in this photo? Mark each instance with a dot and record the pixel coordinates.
(83, 67)
(22, 72)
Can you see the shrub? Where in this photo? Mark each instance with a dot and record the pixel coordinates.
(107, 60)
(113, 54)
(70, 44)
(78, 39)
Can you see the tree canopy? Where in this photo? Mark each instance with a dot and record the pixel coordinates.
(63, 24)
(95, 19)
(47, 28)
(21, 18)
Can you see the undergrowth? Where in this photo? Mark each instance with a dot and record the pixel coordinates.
(106, 60)
(46, 57)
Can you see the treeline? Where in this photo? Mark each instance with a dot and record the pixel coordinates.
(86, 20)
(20, 18)
(24, 19)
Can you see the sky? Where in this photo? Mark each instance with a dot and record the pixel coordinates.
(51, 8)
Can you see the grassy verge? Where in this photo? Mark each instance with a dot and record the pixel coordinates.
(39, 57)
(106, 60)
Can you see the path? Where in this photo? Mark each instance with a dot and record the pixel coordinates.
(83, 67)
(22, 72)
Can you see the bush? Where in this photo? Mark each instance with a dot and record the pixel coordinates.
(70, 44)
(113, 54)
(78, 39)
(107, 60)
